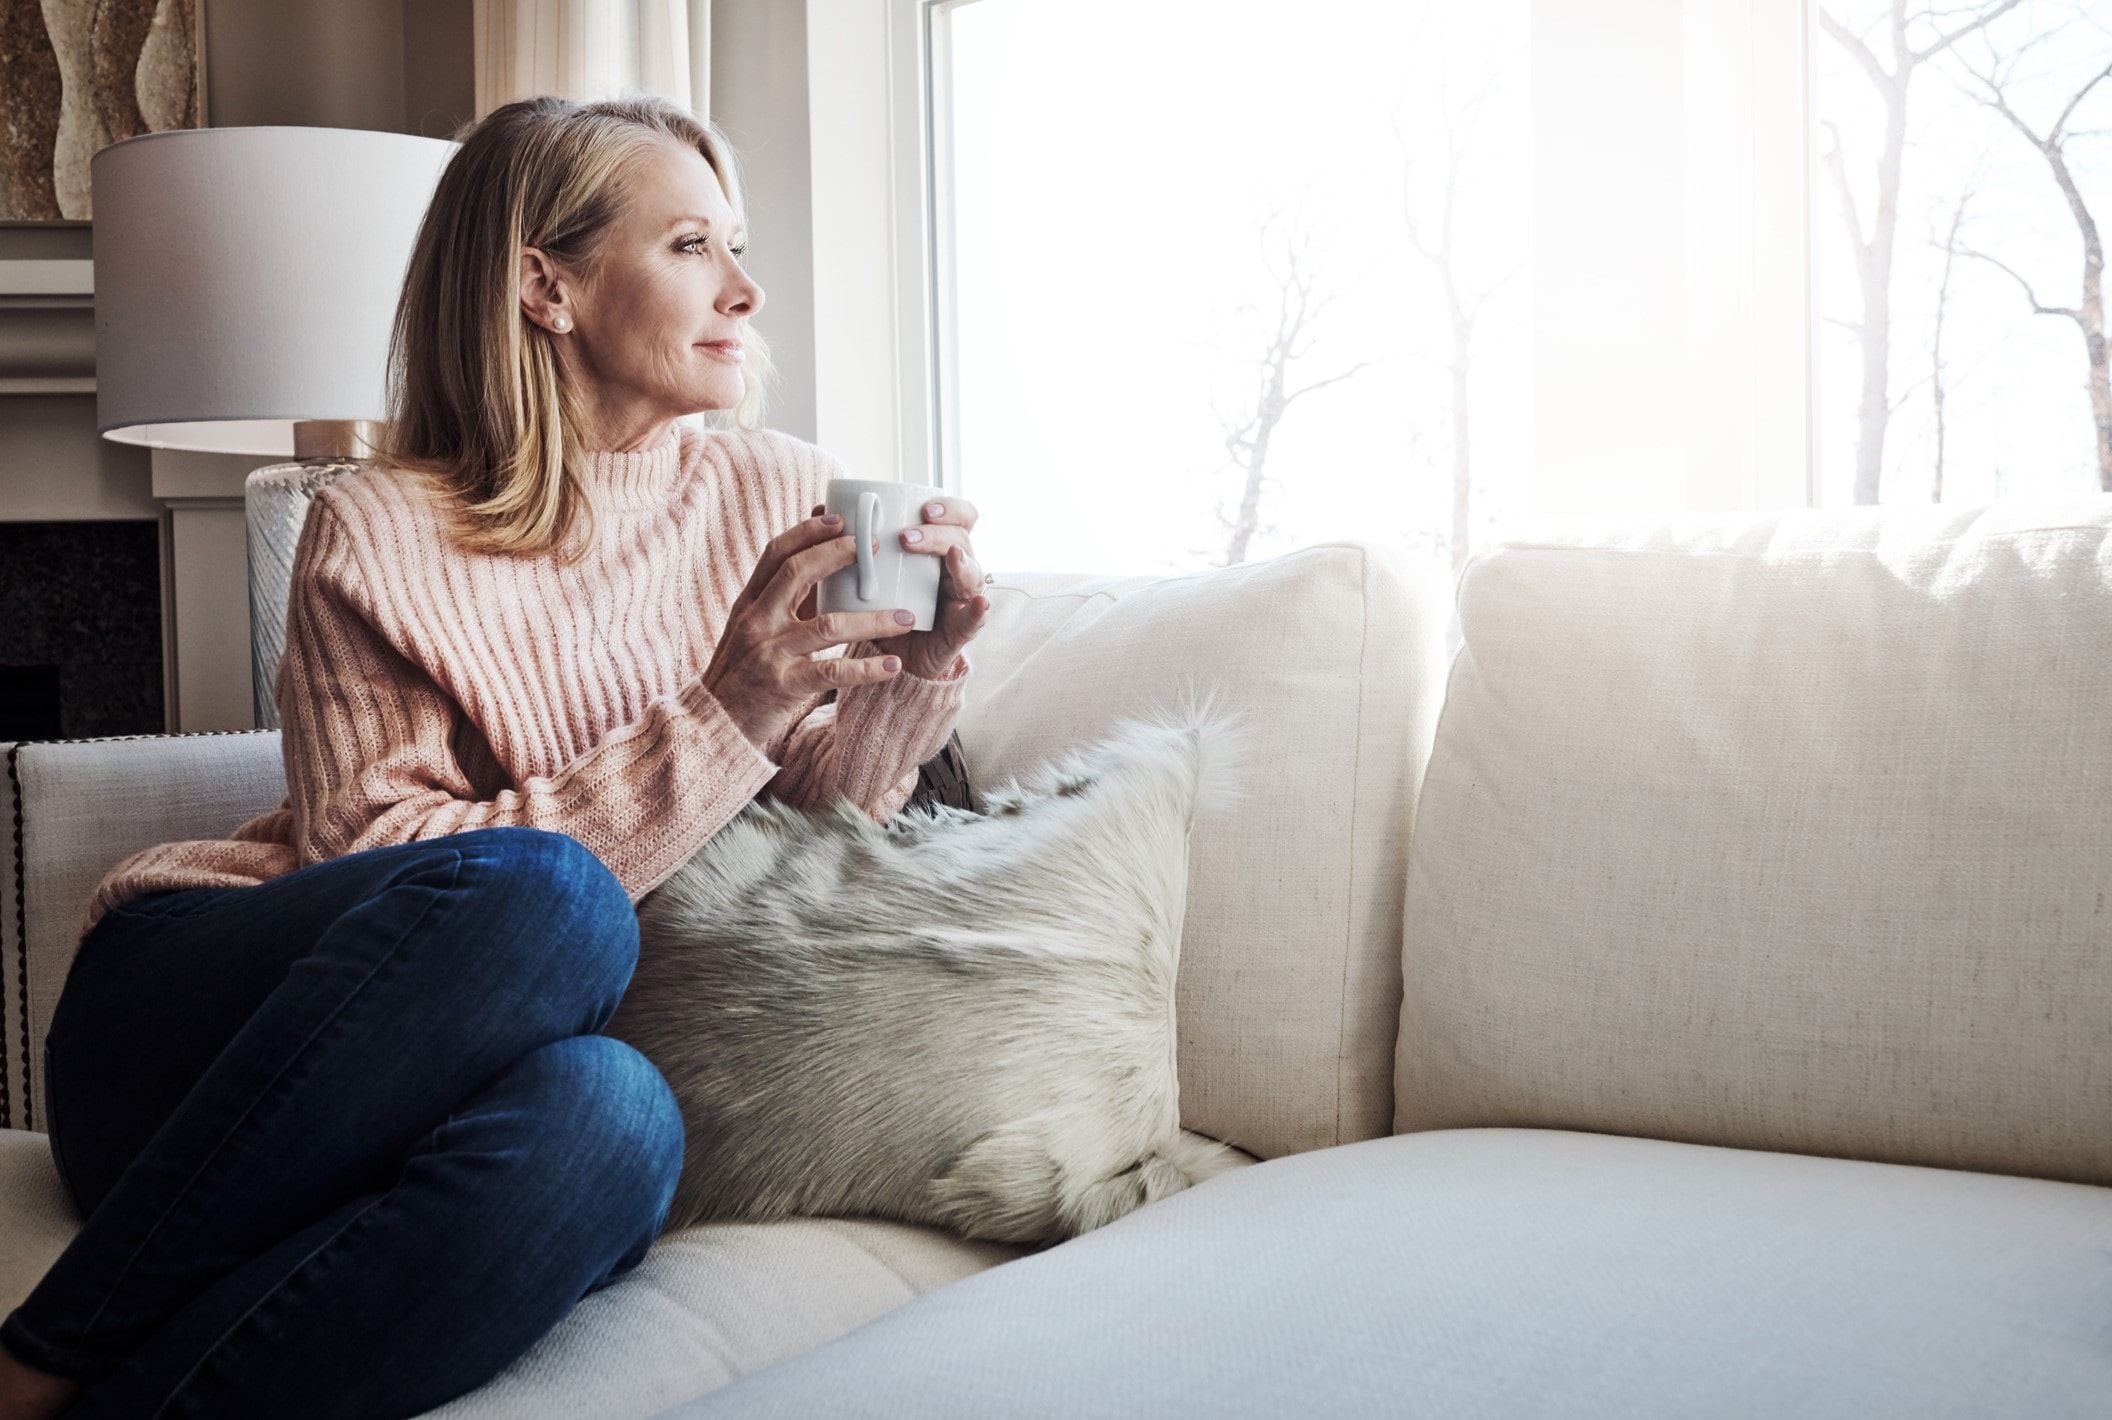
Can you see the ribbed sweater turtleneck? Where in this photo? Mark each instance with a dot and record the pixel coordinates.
(638, 480)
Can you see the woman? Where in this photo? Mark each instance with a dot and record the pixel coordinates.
(330, 1093)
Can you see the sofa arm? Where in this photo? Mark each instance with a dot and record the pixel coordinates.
(72, 810)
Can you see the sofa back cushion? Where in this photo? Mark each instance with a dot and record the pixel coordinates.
(1288, 989)
(1789, 831)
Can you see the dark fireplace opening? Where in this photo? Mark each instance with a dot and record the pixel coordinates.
(29, 703)
(80, 629)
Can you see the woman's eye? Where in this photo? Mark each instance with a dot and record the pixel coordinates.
(689, 245)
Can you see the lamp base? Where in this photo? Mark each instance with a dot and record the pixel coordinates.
(337, 438)
(275, 501)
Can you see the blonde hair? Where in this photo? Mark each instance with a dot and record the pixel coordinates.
(477, 403)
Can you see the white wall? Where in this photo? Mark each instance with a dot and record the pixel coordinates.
(759, 98)
(809, 92)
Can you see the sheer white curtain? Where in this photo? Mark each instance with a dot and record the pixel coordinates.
(1672, 295)
(593, 49)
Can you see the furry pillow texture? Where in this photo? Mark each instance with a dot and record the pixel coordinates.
(959, 1019)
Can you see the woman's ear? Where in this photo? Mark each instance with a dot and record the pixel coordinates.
(542, 298)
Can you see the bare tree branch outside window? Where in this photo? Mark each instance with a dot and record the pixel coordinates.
(1286, 338)
(1433, 233)
(1940, 389)
(1992, 78)
(1891, 73)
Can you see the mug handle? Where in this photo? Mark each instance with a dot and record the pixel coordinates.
(867, 525)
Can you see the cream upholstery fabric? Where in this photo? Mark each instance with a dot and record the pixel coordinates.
(1289, 986)
(713, 1303)
(1507, 1273)
(707, 1305)
(1790, 832)
(81, 806)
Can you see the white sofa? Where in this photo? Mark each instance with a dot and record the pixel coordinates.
(1710, 1013)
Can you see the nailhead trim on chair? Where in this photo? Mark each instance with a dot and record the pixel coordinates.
(7, 1104)
(14, 782)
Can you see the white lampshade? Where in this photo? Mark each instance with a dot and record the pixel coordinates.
(246, 278)
(246, 281)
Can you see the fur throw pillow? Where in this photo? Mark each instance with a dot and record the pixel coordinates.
(960, 1019)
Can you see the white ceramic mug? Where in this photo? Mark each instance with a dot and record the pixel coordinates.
(886, 574)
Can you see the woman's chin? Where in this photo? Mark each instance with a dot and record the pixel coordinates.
(717, 394)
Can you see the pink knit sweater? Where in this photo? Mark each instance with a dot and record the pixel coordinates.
(426, 690)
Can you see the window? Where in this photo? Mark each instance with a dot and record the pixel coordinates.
(1215, 279)
(1230, 278)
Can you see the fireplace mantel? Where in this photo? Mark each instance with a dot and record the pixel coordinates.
(47, 325)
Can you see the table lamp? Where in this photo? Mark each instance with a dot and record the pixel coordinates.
(245, 283)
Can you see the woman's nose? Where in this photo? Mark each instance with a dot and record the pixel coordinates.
(743, 297)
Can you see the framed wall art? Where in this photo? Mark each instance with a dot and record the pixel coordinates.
(76, 75)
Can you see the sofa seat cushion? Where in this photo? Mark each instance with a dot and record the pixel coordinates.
(714, 1302)
(1507, 1272)
(708, 1304)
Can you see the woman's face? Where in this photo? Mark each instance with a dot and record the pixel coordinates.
(656, 332)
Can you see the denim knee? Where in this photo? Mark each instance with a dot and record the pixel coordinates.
(587, 911)
(611, 1127)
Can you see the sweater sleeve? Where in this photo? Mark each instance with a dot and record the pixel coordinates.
(368, 733)
(868, 743)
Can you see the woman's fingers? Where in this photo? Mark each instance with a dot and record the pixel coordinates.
(963, 616)
(951, 510)
(967, 574)
(956, 553)
(805, 610)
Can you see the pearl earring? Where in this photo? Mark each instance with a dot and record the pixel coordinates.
(561, 322)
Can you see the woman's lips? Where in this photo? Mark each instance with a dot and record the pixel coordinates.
(726, 350)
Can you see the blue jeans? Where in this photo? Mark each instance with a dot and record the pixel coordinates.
(346, 1141)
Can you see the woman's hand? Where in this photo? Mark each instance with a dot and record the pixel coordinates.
(962, 607)
(763, 671)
